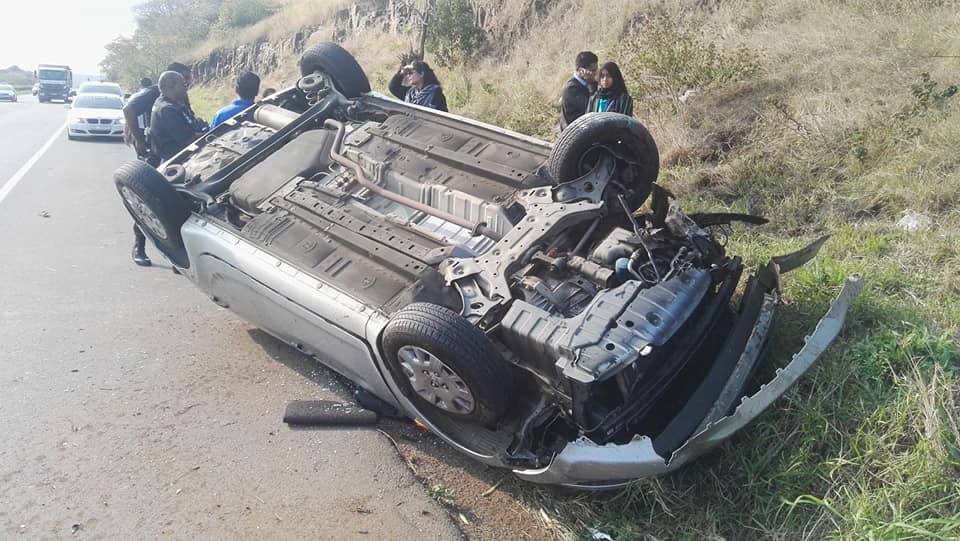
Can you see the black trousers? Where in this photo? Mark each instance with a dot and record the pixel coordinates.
(139, 241)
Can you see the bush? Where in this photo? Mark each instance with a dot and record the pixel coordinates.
(452, 36)
(681, 57)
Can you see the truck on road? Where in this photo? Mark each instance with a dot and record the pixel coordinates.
(55, 82)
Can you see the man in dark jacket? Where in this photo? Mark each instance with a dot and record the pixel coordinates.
(576, 92)
(173, 125)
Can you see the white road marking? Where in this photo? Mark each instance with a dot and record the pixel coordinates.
(15, 179)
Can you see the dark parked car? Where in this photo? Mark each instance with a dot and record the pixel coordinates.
(506, 292)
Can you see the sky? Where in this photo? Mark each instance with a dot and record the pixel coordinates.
(71, 32)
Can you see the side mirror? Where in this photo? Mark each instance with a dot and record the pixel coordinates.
(73, 93)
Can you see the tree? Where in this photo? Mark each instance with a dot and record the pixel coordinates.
(453, 36)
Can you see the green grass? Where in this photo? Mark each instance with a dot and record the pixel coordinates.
(207, 100)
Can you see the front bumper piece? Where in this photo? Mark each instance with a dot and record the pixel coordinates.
(586, 464)
(95, 130)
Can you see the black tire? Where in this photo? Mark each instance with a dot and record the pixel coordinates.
(575, 153)
(332, 59)
(156, 207)
(459, 345)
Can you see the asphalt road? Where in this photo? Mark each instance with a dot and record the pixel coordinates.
(132, 407)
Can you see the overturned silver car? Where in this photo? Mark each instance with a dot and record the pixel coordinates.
(506, 292)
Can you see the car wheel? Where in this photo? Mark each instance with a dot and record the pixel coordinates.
(332, 59)
(156, 207)
(441, 360)
(583, 141)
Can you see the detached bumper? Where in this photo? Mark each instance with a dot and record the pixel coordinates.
(586, 464)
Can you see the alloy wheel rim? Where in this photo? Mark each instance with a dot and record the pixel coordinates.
(147, 217)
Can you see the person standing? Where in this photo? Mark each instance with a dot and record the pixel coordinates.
(136, 129)
(248, 85)
(416, 83)
(141, 103)
(173, 125)
(577, 90)
(142, 120)
(611, 95)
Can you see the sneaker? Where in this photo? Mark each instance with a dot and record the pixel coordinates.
(140, 257)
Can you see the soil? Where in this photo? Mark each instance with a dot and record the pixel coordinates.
(488, 504)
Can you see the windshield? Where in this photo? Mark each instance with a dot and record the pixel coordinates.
(100, 89)
(97, 102)
(53, 75)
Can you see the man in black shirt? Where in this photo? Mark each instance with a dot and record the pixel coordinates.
(173, 125)
(577, 90)
(141, 103)
(136, 114)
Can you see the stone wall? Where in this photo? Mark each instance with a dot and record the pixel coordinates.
(266, 56)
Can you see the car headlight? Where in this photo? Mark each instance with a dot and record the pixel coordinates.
(118, 121)
(78, 121)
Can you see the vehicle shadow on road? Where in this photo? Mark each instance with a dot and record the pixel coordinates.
(302, 364)
(486, 497)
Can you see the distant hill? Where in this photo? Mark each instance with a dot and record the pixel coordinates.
(16, 76)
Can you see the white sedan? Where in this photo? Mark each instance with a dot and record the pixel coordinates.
(7, 93)
(95, 115)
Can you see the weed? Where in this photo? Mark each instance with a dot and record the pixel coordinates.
(926, 96)
(443, 495)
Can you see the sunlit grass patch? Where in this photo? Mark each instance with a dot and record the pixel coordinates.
(207, 100)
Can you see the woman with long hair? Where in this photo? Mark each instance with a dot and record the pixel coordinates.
(416, 83)
(611, 94)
